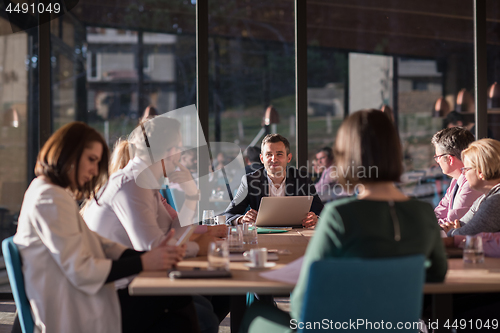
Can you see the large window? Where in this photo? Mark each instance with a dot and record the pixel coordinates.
(403, 56)
(110, 59)
(16, 63)
(252, 59)
(67, 66)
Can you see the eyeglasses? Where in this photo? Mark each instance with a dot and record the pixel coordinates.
(437, 157)
(465, 169)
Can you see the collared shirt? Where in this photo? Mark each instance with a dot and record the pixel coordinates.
(325, 180)
(325, 187)
(276, 191)
(456, 202)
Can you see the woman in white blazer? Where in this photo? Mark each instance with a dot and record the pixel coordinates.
(67, 268)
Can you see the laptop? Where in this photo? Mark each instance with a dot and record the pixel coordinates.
(283, 211)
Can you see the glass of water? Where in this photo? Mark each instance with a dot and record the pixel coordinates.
(473, 250)
(235, 238)
(250, 233)
(218, 256)
(208, 217)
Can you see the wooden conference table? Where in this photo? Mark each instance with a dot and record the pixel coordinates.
(461, 278)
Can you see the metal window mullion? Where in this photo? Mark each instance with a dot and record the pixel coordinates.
(202, 95)
(395, 90)
(45, 82)
(480, 65)
(301, 81)
(141, 96)
(33, 104)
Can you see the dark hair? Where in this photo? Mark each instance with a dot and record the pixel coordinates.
(453, 140)
(453, 118)
(64, 149)
(328, 152)
(253, 154)
(367, 149)
(273, 138)
(149, 112)
(189, 151)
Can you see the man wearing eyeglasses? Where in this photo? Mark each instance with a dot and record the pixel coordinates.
(448, 144)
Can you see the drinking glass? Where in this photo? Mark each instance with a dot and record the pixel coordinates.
(473, 250)
(250, 233)
(218, 256)
(235, 238)
(208, 217)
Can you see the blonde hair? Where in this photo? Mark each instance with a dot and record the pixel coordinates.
(484, 156)
(152, 139)
(120, 156)
(119, 159)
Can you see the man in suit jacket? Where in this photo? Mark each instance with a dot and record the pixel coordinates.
(274, 179)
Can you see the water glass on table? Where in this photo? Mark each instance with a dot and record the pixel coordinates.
(250, 233)
(473, 250)
(235, 238)
(218, 256)
(208, 217)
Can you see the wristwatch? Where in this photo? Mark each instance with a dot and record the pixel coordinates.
(194, 197)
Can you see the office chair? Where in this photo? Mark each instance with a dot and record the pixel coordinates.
(346, 290)
(168, 195)
(13, 264)
(371, 290)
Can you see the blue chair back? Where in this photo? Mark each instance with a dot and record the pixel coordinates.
(369, 290)
(167, 194)
(13, 264)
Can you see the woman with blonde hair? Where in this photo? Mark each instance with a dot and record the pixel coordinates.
(482, 170)
(130, 210)
(119, 159)
(120, 156)
(68, 269)
(140, 227)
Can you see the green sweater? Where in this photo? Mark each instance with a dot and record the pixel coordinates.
(352, 228)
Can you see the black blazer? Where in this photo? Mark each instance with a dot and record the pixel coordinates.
(253, 167)
(254, 186)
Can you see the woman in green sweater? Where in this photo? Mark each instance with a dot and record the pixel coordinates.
(380, 221)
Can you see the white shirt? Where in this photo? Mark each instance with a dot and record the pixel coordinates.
(65, 264)
(276, 191)
(132, 215)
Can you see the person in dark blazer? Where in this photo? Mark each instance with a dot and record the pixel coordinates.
(274, 179)
(253, 162)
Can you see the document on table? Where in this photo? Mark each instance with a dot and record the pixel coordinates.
(289, 274)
